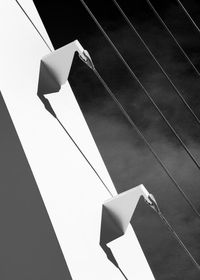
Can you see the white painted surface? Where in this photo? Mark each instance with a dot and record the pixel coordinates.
(72, 193)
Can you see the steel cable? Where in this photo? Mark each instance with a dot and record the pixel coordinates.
(189, 16)
(153, 204)
(170, 228)
(35, 27)
(84, 156)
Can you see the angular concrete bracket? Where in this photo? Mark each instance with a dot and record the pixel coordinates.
(55, 67)
(116, 216)
(54, 71)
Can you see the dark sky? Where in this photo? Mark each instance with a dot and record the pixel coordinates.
(126, 157)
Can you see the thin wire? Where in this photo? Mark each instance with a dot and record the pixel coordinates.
(179, 240)
(141, 85)
(71, 138)
(122, 273)
(175, 40)
(153, 204)
(156, 60)
(33, 25)
(189, 16)
(84, 156)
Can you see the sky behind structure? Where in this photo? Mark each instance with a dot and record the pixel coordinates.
(125, 155)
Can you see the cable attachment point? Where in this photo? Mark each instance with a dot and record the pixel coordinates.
(85, 57)
(152, 203)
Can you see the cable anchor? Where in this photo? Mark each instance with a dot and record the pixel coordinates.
(153, 204)
(86, 58)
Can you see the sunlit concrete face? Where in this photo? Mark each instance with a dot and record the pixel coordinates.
(71, 191)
